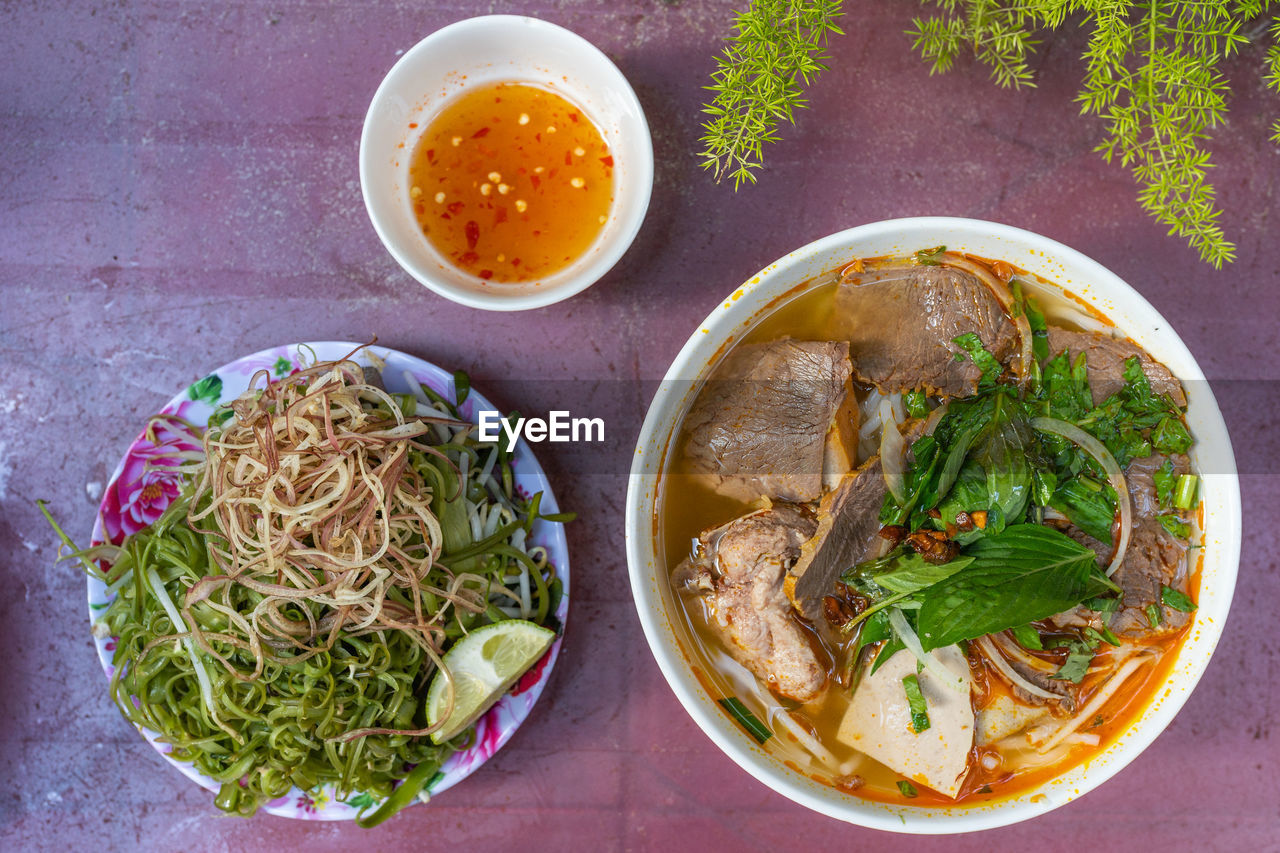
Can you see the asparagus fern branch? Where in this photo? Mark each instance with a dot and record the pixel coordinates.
(777, 48)
(1152, 74)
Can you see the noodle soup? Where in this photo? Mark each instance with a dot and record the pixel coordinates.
(941, 515)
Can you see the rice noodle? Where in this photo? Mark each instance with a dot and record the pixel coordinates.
(899, 410)
(1085, 738)
(811, 743)
(1100, 698)
(994, 657)
(1115, 477)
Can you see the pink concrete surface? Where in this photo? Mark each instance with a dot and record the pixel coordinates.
(178, 186)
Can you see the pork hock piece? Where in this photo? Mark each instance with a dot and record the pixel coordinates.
(739, 569)
(776, 419)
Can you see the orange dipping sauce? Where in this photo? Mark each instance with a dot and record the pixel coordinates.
(511, 182)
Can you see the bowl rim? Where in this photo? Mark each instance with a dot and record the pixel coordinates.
(633, 205)
(726, 324)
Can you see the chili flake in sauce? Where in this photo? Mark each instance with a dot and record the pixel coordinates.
(511, 182)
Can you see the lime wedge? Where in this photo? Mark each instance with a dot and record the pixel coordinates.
(484, 664)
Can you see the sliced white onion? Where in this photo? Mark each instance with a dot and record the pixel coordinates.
(891, 450)
(1054, 310)
(1115, 477)
(1004, 296)
(1002, 666)
(1051, 514)
(1016, 653)
(912, 642)
(931, 422)
(1095, 704)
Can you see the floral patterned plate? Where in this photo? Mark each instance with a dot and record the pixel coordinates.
(137, 495)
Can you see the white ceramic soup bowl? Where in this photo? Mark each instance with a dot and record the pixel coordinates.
(664, 624)
(478, 52)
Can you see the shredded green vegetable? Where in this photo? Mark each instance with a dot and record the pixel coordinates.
(269, 668)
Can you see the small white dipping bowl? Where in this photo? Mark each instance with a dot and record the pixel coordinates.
(664, 624)
(482, 51)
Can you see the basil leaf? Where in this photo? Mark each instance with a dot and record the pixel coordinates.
(1028, 637)
(887, 651)
(997, 475)
(1177, 600)
(915, 701)
(916, 404)
(1087, 504)
(875, 629)
(1027, 572)
(912, 573)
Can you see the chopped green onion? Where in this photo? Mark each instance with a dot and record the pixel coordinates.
(1184, 494)
(908, 790)
(1177, 600)
(915, 699)
(746, 719)
(1104, 636)
(1153, 615)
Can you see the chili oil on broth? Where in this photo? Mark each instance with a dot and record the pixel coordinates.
(511, 182)
(686, 506)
